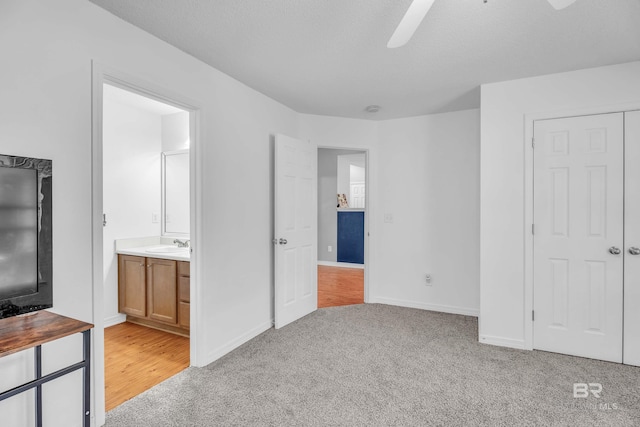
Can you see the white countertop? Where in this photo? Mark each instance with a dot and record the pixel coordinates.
(143, 251)
(152, 247)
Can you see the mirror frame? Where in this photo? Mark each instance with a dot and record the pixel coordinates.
(163, 201)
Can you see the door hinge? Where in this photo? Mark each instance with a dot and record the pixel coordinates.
(533, 315)
(533, 229)
(104, 220)
(533, 143)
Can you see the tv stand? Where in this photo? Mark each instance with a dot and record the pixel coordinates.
(31, 330)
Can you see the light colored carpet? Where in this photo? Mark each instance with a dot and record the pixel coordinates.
(378, 365)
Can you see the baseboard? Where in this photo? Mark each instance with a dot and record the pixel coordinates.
(431, 307)
(115, 320)
(341, 264)
(237, 342)
(502, 342)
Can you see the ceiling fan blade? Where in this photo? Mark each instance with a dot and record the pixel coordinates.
(414, 16)
(560, 4)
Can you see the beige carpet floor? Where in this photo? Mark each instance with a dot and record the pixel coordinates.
(378, 365)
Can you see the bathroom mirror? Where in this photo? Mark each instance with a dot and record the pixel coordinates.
(175, 193)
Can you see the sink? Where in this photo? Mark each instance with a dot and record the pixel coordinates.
(167, 250)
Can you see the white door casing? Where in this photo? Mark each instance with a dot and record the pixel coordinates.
(631, 354)
(295, 239)
(578, 217)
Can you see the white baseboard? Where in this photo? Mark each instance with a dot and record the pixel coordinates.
(502, 342)
(237, 342)
(341, 264)
(431, 307)
(115, 320)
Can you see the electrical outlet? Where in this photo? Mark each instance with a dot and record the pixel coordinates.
(427, 279)
(388, 217)
(155, 217)
(329, 248)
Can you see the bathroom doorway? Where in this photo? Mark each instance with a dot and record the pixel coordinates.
(342, 219)
(146, 241)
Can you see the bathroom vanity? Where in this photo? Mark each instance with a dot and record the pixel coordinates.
(154, 287)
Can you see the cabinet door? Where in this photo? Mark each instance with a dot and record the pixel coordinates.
(132, 287)
(162, 290)
(185, 314)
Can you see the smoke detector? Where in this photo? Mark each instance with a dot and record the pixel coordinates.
(372, 109)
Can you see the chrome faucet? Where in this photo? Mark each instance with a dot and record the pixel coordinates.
(182, 243)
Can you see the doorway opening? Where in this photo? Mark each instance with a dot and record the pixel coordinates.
(145, 241)
(342, 206)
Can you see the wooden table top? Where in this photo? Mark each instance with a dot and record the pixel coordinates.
(26, 331)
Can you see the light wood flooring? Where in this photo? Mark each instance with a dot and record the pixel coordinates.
(137, 358)
(340, 286)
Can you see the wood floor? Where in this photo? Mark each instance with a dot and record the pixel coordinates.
(340, 286)
(137, 358)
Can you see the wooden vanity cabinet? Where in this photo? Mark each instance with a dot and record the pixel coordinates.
(184, 294)
(161, 290)
(132, 285)
(154, 292)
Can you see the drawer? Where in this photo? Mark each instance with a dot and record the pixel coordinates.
(184, 289)
(184, 309)
(184, 268)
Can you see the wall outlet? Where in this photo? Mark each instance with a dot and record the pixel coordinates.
(155, 217)
(427, 279)
(329, 248)
(388, 217)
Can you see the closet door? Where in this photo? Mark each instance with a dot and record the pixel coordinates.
(578, 239)
(632, 240)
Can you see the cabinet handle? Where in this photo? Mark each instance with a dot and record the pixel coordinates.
(142, 265)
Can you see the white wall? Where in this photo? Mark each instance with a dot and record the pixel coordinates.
(423, 170)
(345, 162)
(175, 131)
(131, 183)
(45, 111)
(503, 319)
(428, 173)
(327, 203)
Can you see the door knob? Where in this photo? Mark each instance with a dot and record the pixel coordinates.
(283, 241)
(634, 251)
(614, 251)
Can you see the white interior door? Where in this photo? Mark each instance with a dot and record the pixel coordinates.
(632, 240)
(295, 240)
(578, 239)
(357, 195)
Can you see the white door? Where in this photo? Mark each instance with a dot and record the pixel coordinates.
(357, 195)
(632, 240)
(578, 239)
(295, 239)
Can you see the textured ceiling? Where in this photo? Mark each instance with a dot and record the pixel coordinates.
(329, 57)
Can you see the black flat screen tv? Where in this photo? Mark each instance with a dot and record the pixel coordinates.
(26, 262)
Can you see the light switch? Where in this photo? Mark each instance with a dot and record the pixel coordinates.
(155, 217)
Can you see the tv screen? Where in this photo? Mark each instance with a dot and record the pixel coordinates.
(18, 232)
(26, 259)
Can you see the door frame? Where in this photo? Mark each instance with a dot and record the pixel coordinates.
(102, 74)
(529, 119)
(367, 209)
